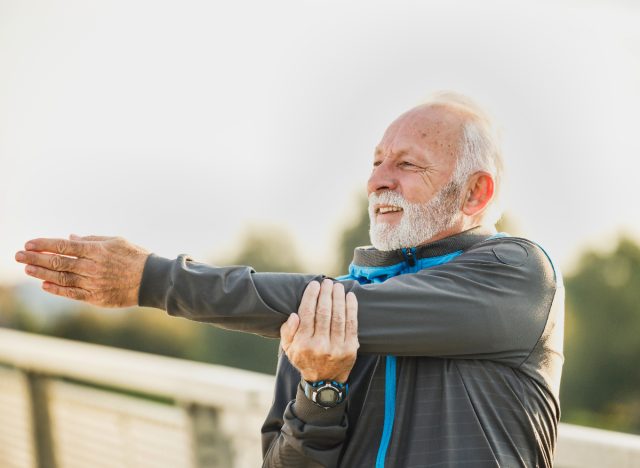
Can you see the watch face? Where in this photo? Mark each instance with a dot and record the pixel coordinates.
(328, 396)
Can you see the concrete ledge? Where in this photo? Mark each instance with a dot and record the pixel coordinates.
(585, 447)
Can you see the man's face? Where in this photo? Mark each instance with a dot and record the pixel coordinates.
(411, 196)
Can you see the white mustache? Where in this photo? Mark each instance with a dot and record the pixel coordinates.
(388, 198)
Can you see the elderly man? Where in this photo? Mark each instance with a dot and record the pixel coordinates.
(458, 330)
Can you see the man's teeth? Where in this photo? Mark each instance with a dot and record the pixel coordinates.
(389, 209)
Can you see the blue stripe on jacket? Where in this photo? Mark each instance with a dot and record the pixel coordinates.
(368, 275)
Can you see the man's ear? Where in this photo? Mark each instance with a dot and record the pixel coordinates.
(479, 193)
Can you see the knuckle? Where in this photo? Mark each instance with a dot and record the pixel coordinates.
(61, 246)
(56, 262)
(91, 268)
(338, 324)
(323, 312)
(63, 279)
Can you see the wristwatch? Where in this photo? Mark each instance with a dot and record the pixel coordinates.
(325, 393)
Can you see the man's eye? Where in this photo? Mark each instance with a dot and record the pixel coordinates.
(376, 163)
(407, 164)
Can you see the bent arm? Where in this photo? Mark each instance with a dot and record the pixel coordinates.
(491, 302)
(296, 431)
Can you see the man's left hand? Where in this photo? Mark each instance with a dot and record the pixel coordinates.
(103, 271)
(321, 341)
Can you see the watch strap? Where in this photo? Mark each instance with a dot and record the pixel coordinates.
(312, 389)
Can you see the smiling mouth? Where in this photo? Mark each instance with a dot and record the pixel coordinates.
(387, 209)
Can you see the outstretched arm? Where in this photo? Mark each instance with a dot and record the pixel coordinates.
(491, 302)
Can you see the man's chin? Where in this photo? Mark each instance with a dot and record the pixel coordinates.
(384, 237)
(392, 218)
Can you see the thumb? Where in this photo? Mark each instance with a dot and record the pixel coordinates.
(288, 330)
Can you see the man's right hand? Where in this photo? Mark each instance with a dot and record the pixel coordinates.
(103, 271)
(321, 341)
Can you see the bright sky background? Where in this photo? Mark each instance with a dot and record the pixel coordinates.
(177, 124)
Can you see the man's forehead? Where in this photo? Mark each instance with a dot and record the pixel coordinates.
(429, 119)
(427, 126)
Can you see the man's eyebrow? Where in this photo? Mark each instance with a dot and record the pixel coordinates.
(379, 152)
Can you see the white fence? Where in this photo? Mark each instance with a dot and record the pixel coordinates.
(65, 404)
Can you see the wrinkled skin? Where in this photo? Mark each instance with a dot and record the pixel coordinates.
(321, 341)
(103, 271)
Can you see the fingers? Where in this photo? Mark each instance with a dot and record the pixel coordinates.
(323, 310)
(351, 325)
(61, 246)
(288, 331)
(56, 262)
(61, 278)
(331, 352)
(72, 293)
(338, 314)
(307, 309)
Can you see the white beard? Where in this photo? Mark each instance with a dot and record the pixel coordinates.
(420, 221)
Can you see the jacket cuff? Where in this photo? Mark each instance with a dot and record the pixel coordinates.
(310, 413)
(156, 280)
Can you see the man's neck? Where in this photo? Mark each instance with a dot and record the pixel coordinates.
(459, 241)
(458, 228)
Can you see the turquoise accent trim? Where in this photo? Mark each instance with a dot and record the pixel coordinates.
(346, 277)
(389, 409)
(365, 275)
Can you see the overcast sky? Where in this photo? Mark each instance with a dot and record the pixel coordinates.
(177, 124)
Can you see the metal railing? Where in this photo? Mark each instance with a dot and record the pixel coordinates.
(69, 404)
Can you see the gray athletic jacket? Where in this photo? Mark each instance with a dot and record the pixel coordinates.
(459, 361)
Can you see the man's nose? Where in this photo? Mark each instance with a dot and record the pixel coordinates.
(382, 178)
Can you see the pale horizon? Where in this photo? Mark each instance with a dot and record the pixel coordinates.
(179, 126)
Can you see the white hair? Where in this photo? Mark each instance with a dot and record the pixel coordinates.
(479, 147)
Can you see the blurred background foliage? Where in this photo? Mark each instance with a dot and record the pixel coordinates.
(602, 349)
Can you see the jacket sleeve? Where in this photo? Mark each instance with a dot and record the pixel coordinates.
(296, 431)
(491, 302)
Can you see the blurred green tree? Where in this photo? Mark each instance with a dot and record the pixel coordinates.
(354, 235)
(601, 373)
(13, 314)
(265, 249)
(138, 329)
